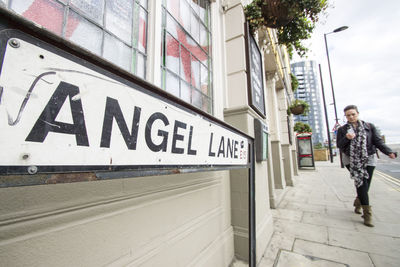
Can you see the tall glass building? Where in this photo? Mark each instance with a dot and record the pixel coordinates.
(307, 74)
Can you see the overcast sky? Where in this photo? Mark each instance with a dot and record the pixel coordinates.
(364, 59)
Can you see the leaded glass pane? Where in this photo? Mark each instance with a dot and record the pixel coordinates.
(172, 26)
(117, 52)
(142, 44)
(118, 19)
(46, 13)
(206, 103)
(185, 66)
(204, 37)
(83, 33)
(195, 6)
(185, 14)
(196, 73)
(203, 14)
(92, 8)
(195, 28)
(143, 3)
(197, 98)
(140, 65)
(135, 35)
(173, 7)
(172, 50)
(185, 91)
(172, 84)
(204, 80)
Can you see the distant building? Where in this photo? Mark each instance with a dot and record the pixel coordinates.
(306, 73)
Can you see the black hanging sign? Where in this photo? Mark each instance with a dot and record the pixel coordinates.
(255, 74)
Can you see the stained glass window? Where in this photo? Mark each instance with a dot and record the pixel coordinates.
(91, 8)
(113, 29)
(186, 62)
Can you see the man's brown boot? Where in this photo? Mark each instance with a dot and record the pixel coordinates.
(357, 206)
(367, 215)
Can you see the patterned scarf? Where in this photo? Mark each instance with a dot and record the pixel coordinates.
(358, 155)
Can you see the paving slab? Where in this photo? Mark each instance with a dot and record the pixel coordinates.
(337, 254)
(266, 262)
(381, 228)
(302, 230)
(300, 200)
(385, 261)
(327, 203)
(374, 243)
(278, 242)
(287, 258)
(343, 213)
(385, 215)
(304, 207)
(287, 214)
(326, 220)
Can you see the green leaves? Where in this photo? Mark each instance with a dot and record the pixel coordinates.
(299, 102)
(294, 82)
(302, 127)
(254, 15)
(299, 29)
(302, 14)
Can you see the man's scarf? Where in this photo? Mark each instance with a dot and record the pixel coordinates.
(358, 155)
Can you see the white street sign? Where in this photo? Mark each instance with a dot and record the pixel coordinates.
(56, 112)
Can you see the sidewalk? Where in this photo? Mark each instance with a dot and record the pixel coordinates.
(315, 224)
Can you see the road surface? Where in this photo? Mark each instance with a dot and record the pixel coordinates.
(389, 166)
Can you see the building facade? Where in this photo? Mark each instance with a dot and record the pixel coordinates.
(195, 54)
(309, 90)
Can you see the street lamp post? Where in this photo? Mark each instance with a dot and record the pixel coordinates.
(329, 67)
(326, 115)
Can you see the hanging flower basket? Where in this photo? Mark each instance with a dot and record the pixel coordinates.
(269, 13)
(275, 13)
(294, 19)
(297, 110)
(298, 107)
(301, 127)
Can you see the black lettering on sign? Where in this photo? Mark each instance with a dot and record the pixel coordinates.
(113, 110)
(235, 149)
(47, 120)
(176, 137)
(221, 149)
(163, 145)
(210, 153)
(190, 150)
(229, 149)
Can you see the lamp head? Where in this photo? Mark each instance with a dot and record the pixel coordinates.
(340, 29)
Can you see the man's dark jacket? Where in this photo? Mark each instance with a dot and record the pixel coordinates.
(374, 141)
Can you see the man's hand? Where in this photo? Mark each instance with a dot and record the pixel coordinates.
(350, 136)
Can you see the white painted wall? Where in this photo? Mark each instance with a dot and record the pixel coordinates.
(176, 220)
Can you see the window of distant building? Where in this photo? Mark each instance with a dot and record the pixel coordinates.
(186, 51)
(113, 29)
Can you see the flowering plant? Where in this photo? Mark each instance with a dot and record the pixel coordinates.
(294, 19)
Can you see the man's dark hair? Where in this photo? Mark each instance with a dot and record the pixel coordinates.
(351, 107)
